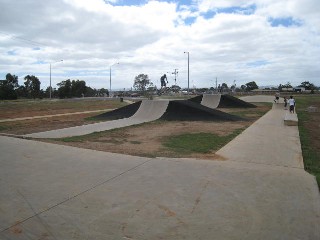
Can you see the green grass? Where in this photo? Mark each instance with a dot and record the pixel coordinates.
(311, 154)
(56, 106)
(2, 128)
(262, 108)
(198, 142)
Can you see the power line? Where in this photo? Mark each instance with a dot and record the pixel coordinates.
(27, 41)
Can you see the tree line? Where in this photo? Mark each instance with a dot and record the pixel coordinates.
(31, 88)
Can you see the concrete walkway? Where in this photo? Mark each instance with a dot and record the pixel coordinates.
(52, 115)
(57, 192)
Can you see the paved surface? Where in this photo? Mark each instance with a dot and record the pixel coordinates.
(54, 115)
(57, 192)
(149, 111)
(260, 98)
(274, 143)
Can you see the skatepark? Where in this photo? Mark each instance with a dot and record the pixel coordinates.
(150, 110)
(256, 189)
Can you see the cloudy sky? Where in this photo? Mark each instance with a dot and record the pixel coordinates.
(266, 41)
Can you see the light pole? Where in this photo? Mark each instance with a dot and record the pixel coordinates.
(188, 71)
(50, 89)
(110, 77)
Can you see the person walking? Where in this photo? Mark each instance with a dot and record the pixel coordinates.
(276, 97)
(292, 104)
(285, 102)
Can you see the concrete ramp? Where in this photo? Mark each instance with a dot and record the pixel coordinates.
(149, 110)
(221, 101)
(211, 100)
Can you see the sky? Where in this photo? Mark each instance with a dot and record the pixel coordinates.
(270, 42)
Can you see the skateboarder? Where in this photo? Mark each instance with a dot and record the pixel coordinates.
(164, 81)
(292, 104)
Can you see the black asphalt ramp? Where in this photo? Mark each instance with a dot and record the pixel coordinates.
(228, 101)
(123, 112)
(186, 110)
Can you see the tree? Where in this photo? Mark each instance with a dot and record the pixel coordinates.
(32, 86)
(307, 85)
(64, 90)
(8, 87)
(74, 88)
(141, 82)
(224, 86)
(251, 86)
(78, 88)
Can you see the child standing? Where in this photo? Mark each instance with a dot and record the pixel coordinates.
(292, 104)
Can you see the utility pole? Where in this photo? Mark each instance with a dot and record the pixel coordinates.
(216, 83)
(188, 70)
(175, 76)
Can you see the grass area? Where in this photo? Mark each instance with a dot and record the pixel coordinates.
(198, 142)
(26, 108)
(309, 132)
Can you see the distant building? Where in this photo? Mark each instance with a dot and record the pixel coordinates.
(299, 89)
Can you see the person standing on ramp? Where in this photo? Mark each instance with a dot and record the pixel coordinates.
(164, 81)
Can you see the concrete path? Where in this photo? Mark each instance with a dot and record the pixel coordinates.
(149, 111)
(52, 115)
(268, 142)
(57, 192)
(260, 98)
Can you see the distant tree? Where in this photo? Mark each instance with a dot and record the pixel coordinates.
(78, 88)
(64, 90)
(307, 85)
(142, 82)
(22, 92)
(224, 86)
(243, 87)
(251, 86)
(90, 92)
(32, 86)
(287, 85)
(8, 87)
(103, 92)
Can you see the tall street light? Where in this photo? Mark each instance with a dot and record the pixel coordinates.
(50, 89)
(188, 71)
(110, 77)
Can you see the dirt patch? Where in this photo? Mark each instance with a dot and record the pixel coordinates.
(44, 124)
(146, 140)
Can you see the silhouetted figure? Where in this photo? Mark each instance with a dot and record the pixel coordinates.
(164, 80)
(285, 102)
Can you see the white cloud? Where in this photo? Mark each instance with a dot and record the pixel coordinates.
(151, 38)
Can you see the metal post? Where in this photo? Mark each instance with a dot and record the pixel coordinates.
(50, 90)
(110, 83)
(188, 72)
(110, 77)
(50, 81)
